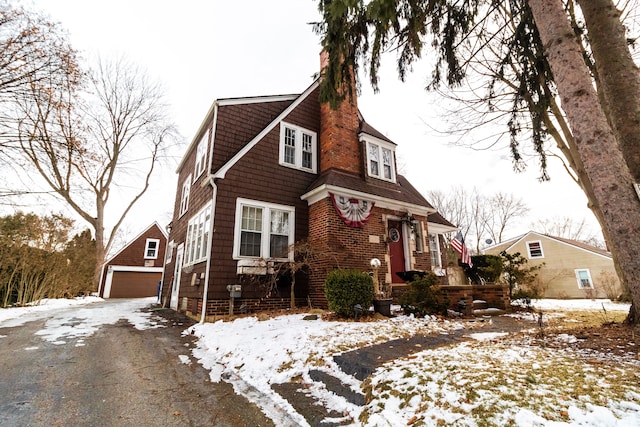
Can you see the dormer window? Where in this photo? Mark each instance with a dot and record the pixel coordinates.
(380, 160)
(298, 147)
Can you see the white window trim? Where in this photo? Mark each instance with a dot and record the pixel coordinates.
(169, 256)
(266, 222)
(184, 196)
(146, 248)
(190, 257)
(577, 272)
(381, 144)
(298, 148)
(529, 249)
(201, 157)
(435, 251)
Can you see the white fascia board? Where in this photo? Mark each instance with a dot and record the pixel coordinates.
(213, 112)
(225, 168)
(134, 239)
(256, 99)
(435, 228)
(367, 137)
(580, 248)
(198, 136)
(323, 191)
(136, 269)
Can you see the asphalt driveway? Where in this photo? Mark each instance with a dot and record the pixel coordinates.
(116, 376)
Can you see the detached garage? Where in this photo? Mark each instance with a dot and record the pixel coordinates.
(136, 270)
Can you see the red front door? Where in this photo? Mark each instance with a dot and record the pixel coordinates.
(396, 250)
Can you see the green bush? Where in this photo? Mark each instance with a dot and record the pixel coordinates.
(346, 288)
(486, 269)
(423, 297)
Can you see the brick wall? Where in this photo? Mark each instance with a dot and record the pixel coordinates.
(340, 246)
(242, 306)
(496, 296)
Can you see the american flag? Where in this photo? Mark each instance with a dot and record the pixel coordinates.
(458, 245)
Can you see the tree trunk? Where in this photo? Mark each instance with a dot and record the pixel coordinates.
(618, 77)
(98, 226)
(597, 145)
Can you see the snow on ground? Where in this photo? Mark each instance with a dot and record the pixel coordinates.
(578, 304)
(77, 318)
(491, 380)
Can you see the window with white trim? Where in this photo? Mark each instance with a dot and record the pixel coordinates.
(380, 160)
(584, 278)
(169, 256)
(534, 248)
(201, 157)
(197, 240)
(434, 251)
(298, 147)
(184, 197)
(263, 230)
(151, 248)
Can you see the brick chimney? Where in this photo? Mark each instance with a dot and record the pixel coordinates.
(339, 145)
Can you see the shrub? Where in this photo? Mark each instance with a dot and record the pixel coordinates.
(423, 297)
(486, 268)
(346, 288)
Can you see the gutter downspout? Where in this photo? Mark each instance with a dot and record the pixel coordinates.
(214, 194)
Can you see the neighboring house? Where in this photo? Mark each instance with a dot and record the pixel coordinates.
(571, 269)
(136, 269)
(265, 173)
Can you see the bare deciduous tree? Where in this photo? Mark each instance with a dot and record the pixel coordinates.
(33, 50)
(479, 216)
(99, 137)
(568, 228)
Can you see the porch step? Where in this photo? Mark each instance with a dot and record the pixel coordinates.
(479, 304)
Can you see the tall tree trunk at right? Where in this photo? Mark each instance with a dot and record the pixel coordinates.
(618, 76)
(596, 142)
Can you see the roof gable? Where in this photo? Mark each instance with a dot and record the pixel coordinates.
(144, 233)
(509, 244)
(230, 162)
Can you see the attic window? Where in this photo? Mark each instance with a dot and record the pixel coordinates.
(201, 157)
(380, 160)
(298, 147)
(184, 198)
(535, 249)
(151, 249)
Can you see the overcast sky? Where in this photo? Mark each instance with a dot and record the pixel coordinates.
(202, 50)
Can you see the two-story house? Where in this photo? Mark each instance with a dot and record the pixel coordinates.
(268, 172)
